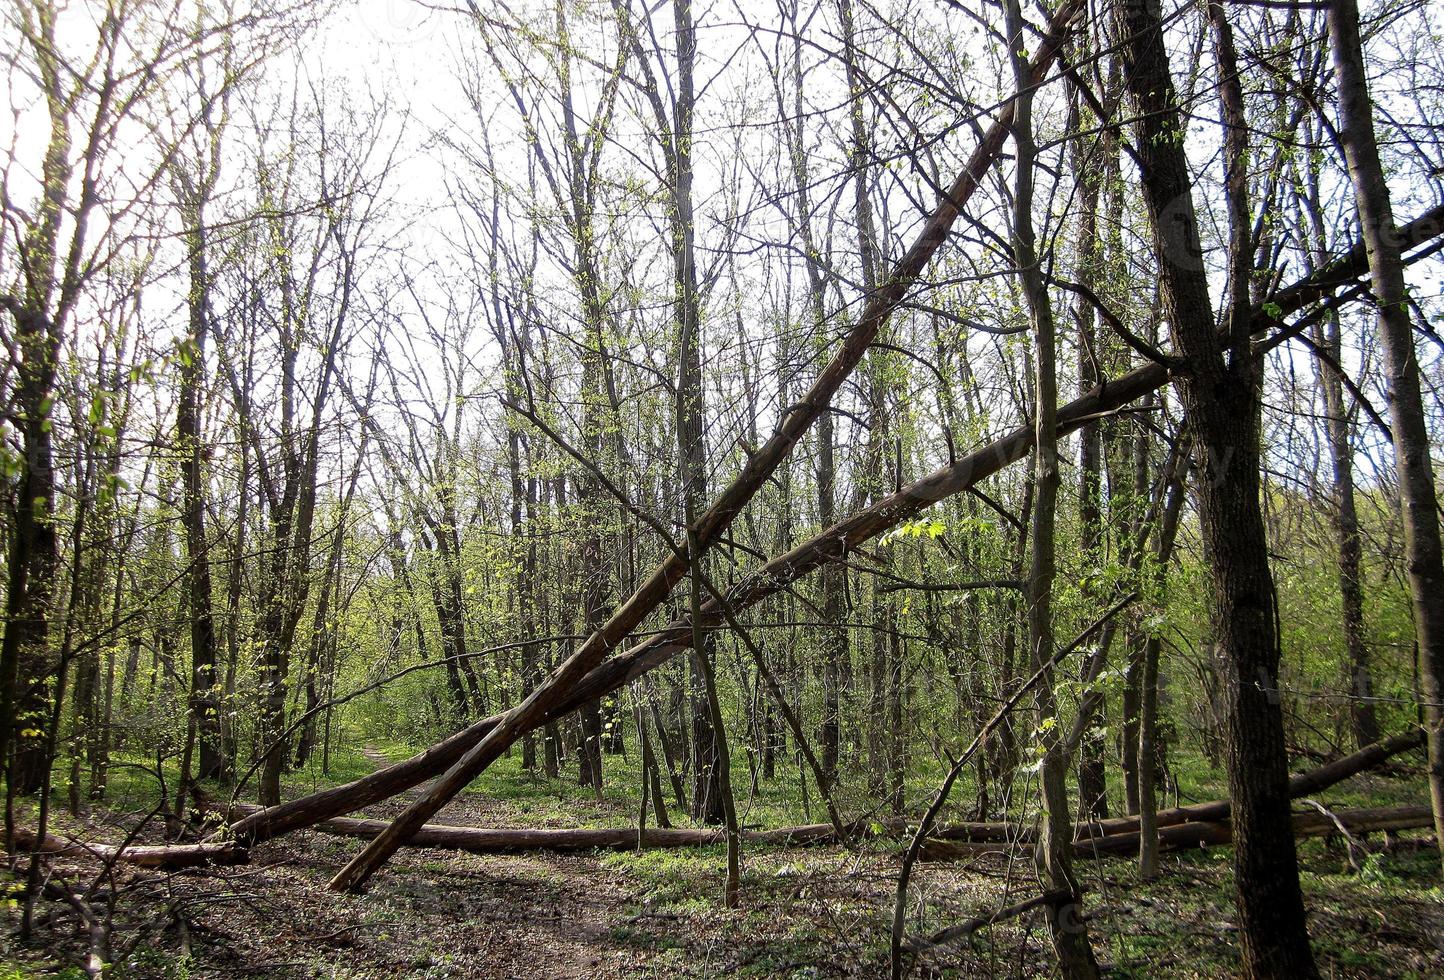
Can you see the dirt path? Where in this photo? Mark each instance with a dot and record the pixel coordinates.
(378, 759)
(807, 913)
(569, 915)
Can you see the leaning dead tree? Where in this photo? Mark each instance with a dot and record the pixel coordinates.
(552, 693)
(545, 698)
(1329, 285)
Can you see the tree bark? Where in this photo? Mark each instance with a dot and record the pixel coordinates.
(1066, 925)
(1219, 383)
(1423, 556)
(33, 557)
(1328, 344)
(205, 683)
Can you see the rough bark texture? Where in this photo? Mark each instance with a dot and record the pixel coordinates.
(1328, 345)
(1219, 384)
(1052, 855)
(44, 297)
(204, 700)
(168, 856)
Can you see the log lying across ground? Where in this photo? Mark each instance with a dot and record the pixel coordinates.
(1202, 834)
(1181, 827)
(495, 840)
(949, 842)
(1196, 834)
(142, 855)
(1301, 785)
(961, 840)
(1200, 822)
(831, 545)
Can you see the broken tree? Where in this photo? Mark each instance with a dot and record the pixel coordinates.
(545, 698)
(829, 546)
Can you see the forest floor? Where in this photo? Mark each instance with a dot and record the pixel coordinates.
(806, 912)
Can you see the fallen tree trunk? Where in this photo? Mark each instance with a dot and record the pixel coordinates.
(1185, 836)
(830, 545)
(495, 840)
(1304, 784)
(1211, 812)
(1195, 834)
(487, 840)
(948, 842)
(142, 855)
(1179, 837)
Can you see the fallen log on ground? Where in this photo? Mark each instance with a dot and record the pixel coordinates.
(1212, 811)
(831, 545)
(1196, 834)
(501, 840)
(1179, 837)
(948, 843)
(488, 840)
(168, 856)
(1301, 785)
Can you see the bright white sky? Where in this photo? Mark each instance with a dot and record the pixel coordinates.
(410, 56)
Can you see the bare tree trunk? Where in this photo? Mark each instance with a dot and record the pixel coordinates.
(205, 683)
(1066, 925)
(713, 789)
(835, 651)
(1406, 408)
(323, 633)
(33, 557)
(884, 696)
(1223, 405)
(1149, 745)
(1092, 775)
(1328, 364)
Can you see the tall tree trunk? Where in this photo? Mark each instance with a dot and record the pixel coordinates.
(711, 788)
(205, 683)
(1150, 745)
(1328, 363)
(1406, 407)
(1066, 925)
(33, 555)
(1092, 774)
(1363, 722)
(834, 640)
(1222, 399)
(885, 671)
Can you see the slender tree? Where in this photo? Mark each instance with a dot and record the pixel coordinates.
(1424, 556)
